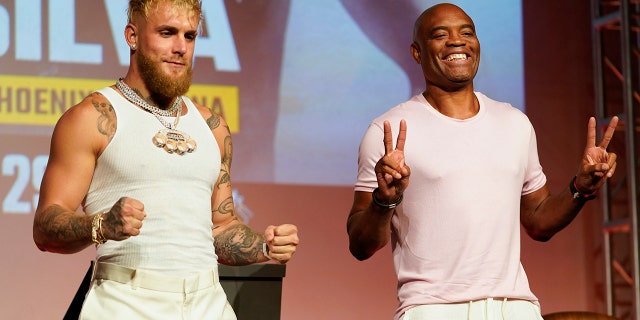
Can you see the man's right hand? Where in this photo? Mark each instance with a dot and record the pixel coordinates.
(123, 220)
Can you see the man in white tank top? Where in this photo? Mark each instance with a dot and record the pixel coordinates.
(462, 177)
(151, 170)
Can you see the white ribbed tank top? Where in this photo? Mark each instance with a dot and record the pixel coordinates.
(176, 190)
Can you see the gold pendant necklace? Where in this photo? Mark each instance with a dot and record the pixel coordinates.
(170, 139)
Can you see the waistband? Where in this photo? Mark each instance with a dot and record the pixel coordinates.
(139, 278)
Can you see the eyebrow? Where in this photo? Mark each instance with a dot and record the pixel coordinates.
(174, 29)
(463, 26)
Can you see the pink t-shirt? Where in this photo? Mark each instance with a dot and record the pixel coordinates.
(456, 235)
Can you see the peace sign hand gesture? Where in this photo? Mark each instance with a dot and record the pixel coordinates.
(391, 170)
(597, 164)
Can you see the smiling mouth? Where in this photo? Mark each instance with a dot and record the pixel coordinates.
(456, 57)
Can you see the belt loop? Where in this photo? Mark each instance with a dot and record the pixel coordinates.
(135, 279)
(184, 290)
(94, 269)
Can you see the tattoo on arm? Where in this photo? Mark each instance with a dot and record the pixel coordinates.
(225, 207)
(238, 245)
(112, 225)
(225, 167)
(62, 227)
(213, 121)
(107, 119)
(227, 149)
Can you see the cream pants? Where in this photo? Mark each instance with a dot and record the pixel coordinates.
(122, 293)
(487, 309)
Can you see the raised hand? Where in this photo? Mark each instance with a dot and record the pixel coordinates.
(391, 170)
(597, 164)
(123, 220)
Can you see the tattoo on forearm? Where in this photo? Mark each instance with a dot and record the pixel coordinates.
(238, 245)
(107, 119)
(61, 226)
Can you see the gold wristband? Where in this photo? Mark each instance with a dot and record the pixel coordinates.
(96, 229)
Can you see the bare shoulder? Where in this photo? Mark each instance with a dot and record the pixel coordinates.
(92, 106)
(92, 119)
(214, 120)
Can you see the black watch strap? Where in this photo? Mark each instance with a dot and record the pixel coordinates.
(577, 194)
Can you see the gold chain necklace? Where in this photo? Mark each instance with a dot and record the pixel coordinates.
(170, 138)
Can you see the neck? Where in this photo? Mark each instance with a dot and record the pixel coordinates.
(161, 102)
(461, 104)
(134, 97)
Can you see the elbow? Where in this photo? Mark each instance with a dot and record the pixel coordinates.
(364, 250)
(541, 238)
(38, 239)
(359, 254)
(41, 240)
(540, 235)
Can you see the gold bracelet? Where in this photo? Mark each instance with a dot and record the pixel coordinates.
(96, 229)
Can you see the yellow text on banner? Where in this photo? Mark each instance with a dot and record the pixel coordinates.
(35, 100)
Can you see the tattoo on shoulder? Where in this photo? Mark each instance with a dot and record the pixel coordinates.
(213, 121)
(107, 120)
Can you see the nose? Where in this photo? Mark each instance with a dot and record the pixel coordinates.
(180, 45)
(455, 40)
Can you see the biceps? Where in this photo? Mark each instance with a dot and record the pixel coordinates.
(529, 203)
(66, 180)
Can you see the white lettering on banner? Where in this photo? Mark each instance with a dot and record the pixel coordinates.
(117, 20)
(219, 44)
(62, 45)
(28, 33)
(24, 171)
(4, 30)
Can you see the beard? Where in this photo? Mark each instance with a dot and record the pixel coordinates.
(161, 86)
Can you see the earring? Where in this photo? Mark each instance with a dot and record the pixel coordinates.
(133, 46)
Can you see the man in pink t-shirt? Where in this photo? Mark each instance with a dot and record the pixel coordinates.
(475, 178)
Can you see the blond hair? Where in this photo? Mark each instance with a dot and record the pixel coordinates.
(144, 7)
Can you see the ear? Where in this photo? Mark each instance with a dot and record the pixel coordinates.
(131, 36)
(415, 52)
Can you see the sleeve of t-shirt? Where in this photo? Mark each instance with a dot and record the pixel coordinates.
(534, 178)
(370, 151)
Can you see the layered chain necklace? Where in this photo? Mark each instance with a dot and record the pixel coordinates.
(170, 138)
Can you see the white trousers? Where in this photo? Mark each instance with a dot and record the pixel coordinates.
(487, 309)
(121, 293)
